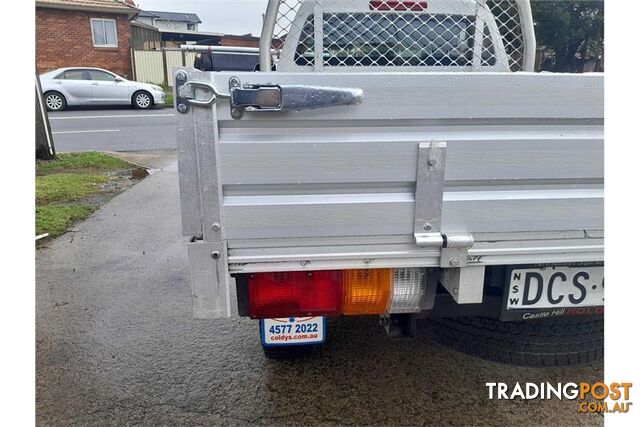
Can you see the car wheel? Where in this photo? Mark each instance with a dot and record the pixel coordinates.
(55, 101)
(142, 100)
(545, 342)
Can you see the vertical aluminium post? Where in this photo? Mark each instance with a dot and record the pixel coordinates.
(268, 27)
(528, 34)
(201, 200)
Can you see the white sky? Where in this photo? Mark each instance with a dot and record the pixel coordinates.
(219, 16)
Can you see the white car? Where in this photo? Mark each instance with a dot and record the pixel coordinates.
(95, 86)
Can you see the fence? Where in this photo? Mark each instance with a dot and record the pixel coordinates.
(155, 66)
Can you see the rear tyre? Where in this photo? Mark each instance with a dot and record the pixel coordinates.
(548, 342)
(142, 100)
(55, 101)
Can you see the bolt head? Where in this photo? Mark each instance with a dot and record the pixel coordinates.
(182, 108)
(215, 227)
(427, 227)
(237, 113)
(454, 262)
(215, 255)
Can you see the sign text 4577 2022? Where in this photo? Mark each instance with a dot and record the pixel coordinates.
(292, 331)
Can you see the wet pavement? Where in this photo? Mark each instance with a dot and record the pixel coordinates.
(116, 345)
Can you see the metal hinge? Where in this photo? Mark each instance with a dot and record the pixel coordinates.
(455, 249)
(268, 97)
(464, 282)
(432, 158)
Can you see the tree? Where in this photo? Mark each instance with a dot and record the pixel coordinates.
(572, 29)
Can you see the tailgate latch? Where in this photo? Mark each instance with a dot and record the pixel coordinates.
(263, 97)
(273, 97)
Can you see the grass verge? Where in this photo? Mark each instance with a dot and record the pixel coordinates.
(67, 187)
(55, 220)
(75, 162)
(71, 187)
(169, 97)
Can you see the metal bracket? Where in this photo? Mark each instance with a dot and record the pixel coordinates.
(464, 282)
(432, 158)
(182, 104)
(209, 279)
(399, 325)
(188, 93)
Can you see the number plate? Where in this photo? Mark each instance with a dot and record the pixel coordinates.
(292, 331)
(553, 291)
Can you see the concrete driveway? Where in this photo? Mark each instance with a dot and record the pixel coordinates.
(116, 345)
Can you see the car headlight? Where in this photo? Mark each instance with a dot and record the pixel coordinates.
(158, 88)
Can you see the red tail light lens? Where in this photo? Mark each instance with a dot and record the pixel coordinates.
(327, 293)
(296, 293)
(397, 5)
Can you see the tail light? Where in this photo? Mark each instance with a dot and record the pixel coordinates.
(396, 5)
(349, 292)
(296, 293)
(366, 291)
(408, 290)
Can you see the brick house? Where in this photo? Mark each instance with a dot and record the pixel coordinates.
(84, 33)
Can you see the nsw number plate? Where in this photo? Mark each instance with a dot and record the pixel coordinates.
(555, 287)
(292, 331)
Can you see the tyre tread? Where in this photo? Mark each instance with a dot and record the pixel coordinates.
(544, 343)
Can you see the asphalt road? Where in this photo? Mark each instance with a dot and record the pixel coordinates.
(116, 345)
(115, 129)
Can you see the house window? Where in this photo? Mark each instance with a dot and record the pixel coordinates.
(191, 27)
(104, 32)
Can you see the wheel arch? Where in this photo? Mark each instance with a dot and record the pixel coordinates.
(48, 91)
(65, 97)
(136, 92)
